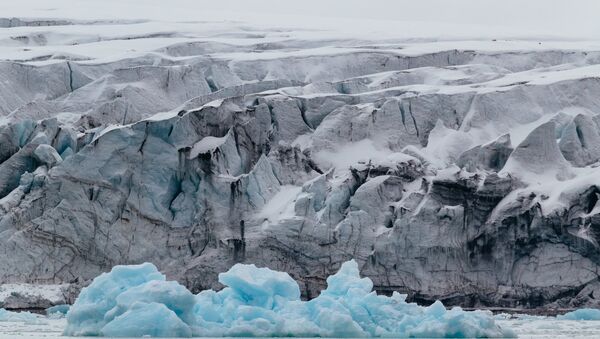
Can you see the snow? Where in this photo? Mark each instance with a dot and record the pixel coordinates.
(205, 145)
(121, 29)
(281, 205)
(352, 153)
(457, 19)
(446, 144)
(136, 301)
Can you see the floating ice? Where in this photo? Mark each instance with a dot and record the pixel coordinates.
(136, 301)
(58, 309)
(25, 317)
(582, 314)
(97, 306)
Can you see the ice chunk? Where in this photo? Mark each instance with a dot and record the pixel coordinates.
(133, 301)
(260, 286)
(47, 154)
(147, 319)
(87, 315)
(347, 280)
(25, 317)
(171, 294)
(582, 314)
(58, 309)
(261, 302)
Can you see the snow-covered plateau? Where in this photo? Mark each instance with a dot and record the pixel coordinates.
(453, 156)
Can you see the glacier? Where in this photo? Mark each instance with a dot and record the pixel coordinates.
(453, 161)
(137, 301)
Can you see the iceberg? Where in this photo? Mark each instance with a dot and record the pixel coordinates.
(24, 317)
(96, 305)
(137, 301)
(58, 310)
(582, 314)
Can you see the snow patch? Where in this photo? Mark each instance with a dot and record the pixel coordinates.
(360, 152)
(281, 206)
(206, 145)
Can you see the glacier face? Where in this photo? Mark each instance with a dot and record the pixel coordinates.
(461, 171)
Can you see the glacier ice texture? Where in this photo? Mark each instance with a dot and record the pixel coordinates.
(136, 301)
(459, 171)
(58, 310)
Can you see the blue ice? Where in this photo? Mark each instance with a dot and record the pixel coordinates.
(582, 314)
(58, 310)
(25, 317)
(136, 301)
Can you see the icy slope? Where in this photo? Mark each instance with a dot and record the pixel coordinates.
(460, 170)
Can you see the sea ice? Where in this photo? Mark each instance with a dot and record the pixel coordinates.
(136, 301)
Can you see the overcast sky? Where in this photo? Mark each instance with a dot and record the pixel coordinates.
(573, 18)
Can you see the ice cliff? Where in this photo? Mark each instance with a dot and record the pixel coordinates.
(137, 301)
(460, 171)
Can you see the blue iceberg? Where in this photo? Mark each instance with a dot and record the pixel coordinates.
(24, 317)
(58, 310)
(582, 314)
(136, 301)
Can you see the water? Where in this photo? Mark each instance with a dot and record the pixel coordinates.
(535, 328)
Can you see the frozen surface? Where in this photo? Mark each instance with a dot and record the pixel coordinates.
(135, 301)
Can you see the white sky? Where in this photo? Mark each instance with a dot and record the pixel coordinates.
(572, 19)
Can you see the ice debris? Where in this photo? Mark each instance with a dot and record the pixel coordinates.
(136, 300)
(582, 314)
(25, 317)
(60, 310)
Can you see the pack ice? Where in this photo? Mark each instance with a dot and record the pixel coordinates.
(136, 301)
